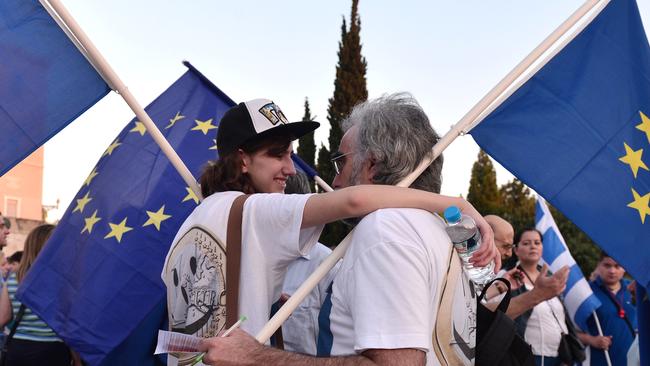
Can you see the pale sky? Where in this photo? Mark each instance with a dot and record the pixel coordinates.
(448, 54)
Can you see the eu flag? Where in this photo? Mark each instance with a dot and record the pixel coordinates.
(98, 278)
(578, 133)
(45, 82)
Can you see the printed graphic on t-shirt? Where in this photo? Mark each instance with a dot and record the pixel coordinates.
(195, 277)
(464, 319)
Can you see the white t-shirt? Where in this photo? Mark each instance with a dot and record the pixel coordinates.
(300, 330)
(385, 295)
(543, 332)
(194, 271)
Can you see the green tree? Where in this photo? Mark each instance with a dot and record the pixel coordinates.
(306, 145)
(349, 87)
(349, 90)
(483, 193)
(517, 205)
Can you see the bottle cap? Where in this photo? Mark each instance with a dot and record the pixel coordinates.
(452, 214)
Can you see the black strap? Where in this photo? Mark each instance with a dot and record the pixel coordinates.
(14, 326)
(619, 307)
(233, 258)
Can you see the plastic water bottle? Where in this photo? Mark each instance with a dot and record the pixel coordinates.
(466, 238)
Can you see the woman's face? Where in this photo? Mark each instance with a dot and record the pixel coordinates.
(529, 249)
(269, 168)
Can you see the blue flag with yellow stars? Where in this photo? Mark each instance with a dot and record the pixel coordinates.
(578, 133)
(45, 82)
(97, 281)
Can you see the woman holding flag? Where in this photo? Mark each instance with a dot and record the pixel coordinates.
(254, 143)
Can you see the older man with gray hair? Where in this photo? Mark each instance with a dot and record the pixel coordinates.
(385, 297)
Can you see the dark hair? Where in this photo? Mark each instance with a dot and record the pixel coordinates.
(15, 258)
(521, 233)
(602, 255)
(225, 174)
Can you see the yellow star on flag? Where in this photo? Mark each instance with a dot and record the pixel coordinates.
(204, 126)
(117, 230)
(645, 125)
(92, 175)
(155, 218)
(82, 202)
(176, 118)
(190, 196)
(633, 159)
(90, 222)
(111, 147)
(215, 145)
(640, 203)
(139, 127)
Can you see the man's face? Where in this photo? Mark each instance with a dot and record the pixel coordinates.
(347, 176)
(4, 232)
(504, 238)
(609, 271)
(269, 169)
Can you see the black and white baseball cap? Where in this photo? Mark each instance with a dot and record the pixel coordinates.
(254, 119)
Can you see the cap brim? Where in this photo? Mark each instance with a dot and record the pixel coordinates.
(295, 129)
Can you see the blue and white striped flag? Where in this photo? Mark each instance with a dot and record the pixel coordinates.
(578, 297)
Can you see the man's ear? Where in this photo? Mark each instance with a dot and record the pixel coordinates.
(245, 160)
(371, 169)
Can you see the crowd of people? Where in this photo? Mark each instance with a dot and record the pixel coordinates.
(396, 298)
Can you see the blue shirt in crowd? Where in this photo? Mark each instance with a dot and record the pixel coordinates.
(612, 323)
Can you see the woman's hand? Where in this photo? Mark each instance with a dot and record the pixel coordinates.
(488, 251)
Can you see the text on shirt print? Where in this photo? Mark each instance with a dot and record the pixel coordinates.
(198, 296)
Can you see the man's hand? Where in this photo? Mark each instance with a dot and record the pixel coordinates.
(237, 349)
(599, 342)
(548, 287)
(515, 277)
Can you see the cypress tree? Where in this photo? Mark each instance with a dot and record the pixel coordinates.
(517, 205)
(483, 192)
(349, 87)
(349, 90)
(306, 145)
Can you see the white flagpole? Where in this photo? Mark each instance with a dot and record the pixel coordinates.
(537, 67)
(312, 281)
(85, 45)
(600, 332)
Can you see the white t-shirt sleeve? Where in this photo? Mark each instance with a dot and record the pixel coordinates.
(390, 298)
(276, 219)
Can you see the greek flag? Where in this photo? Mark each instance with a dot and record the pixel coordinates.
(578, 297)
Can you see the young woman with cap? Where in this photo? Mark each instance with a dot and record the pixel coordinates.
(254, 143)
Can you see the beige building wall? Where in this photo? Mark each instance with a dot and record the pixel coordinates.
(21, 196)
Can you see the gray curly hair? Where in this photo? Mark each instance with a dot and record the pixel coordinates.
(395, 133)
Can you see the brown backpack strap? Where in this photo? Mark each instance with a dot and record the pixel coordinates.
(233, 258)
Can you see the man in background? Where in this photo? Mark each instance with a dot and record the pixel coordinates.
(617, 315)
(300, 330)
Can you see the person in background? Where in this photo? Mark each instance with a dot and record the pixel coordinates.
(300, 330)
(13, 261)
(543, 325)
(617, 314)
(34, 343)
(503, 236)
